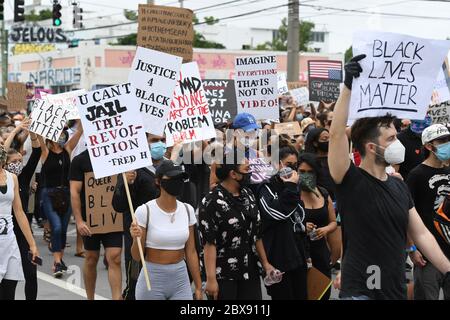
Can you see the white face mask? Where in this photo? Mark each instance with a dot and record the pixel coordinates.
(394, 153)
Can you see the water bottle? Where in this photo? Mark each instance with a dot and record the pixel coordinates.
(275, 276)
(313, 235)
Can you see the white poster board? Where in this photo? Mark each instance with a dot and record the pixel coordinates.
(282, 83)
(48, 120)
(301, 96)
(68, 100)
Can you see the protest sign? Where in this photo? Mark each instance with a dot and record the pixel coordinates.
(317, 283)
(153, 77)
(324, 78)
(189, 118)
(300, 95)
(48, 120)
(17, 96)
(398, 75)
(113, 130)
(261, 170)
(67, 100)
(256, 86)
(282, 84)
(440, 113)
(166, 29)
(100, 214)
(221, 97)
(441, 91)
(289, 128)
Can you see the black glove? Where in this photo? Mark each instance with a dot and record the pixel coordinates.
(352, 70)
(446, 286)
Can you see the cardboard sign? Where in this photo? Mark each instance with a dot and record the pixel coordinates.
(113, 130)
(300, 95)
(48, 120)
(189, 118)
(17, 96)
(100, 214)
(398, 75)
(257, 86)
(318, 284)
(440, 113)
(289, 128)
(221, 97)
(261, 170)
(153, 77)
(67, 100)
(166, 29)
(282, 84)
(324, 78)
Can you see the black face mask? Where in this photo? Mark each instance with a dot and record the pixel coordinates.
(246, 179)
(323, 146)
(174, 187)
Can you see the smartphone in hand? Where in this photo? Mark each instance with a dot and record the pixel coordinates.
(37, 260)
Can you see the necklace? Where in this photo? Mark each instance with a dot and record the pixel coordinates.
(172, 217)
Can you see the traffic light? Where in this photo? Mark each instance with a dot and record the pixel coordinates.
(77, 16)
(56, 14)
(19, 10)
(2, 9)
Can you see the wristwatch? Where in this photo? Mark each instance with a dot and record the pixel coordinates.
(411, 249)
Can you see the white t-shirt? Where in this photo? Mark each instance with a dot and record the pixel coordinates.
(166, 231)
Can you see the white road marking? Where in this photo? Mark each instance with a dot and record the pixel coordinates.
(64, 285)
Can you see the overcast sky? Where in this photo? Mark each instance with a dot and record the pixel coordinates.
(340, 24)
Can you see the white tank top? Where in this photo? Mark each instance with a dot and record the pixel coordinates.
(166, 231)
(6, 200)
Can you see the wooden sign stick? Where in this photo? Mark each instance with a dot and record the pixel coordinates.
(141, 252)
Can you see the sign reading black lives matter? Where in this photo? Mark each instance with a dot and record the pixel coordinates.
(48, 120)
(113, 130)
(153, 77)
(221, 97)
(256, 84)
(398, 76)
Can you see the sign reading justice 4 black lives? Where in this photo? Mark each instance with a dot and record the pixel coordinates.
(113, 130)
(221, 99)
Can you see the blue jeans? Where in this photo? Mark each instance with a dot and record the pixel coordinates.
(58, 223)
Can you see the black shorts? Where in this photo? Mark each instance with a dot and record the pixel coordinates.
(109, 240)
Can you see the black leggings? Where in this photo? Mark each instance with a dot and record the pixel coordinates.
(8, 289)
(240, 289)
(29, 269)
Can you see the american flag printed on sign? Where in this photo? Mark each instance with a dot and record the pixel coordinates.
(330, 70)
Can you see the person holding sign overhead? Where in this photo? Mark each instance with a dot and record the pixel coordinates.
(165, 227)
(377, 210)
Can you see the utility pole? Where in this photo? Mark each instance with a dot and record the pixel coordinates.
(4, 55)
(293, 41)
(150, 1)
(181, 3)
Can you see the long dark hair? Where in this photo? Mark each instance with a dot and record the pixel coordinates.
(311, 160)
(313, 137)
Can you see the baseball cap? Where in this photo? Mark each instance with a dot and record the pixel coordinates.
(245, 121)
(170, 169)
(433, 132)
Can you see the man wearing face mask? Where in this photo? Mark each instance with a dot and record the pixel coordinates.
(246, 133)
(158, 149)
(411, 139)
(377, 211)
(429, 183)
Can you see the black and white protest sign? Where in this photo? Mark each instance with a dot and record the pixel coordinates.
(68, 100)
(282, 84)
(398, 76)
(48, 120)
(257, 86)
(113, 130)
(221, 97)
(261, 170)
(153, 77)
(440, 113)
(189, 118)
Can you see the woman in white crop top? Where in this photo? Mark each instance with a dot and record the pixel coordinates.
(10, 260)
(166, 229)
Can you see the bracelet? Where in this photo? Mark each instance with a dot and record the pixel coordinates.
(411, 249)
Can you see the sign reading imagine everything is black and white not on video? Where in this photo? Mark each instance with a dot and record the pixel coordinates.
(398, 75)
(189, 118)
(256, 85)
(153, 77)
(221, 98)
(48, 120)
(113, 130)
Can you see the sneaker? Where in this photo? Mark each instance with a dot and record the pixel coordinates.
(63, 266)
(58, 270)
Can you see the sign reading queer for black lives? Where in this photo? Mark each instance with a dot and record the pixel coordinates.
(113, 130)
(153, 77)
(221, 99)
(189, 118)
(48, 120)
(256, 85)
(398, 76)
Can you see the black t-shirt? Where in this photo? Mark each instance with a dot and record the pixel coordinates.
(413, 153)
(375, 218)
(80, 165)
(55, 170)
(429, 187)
